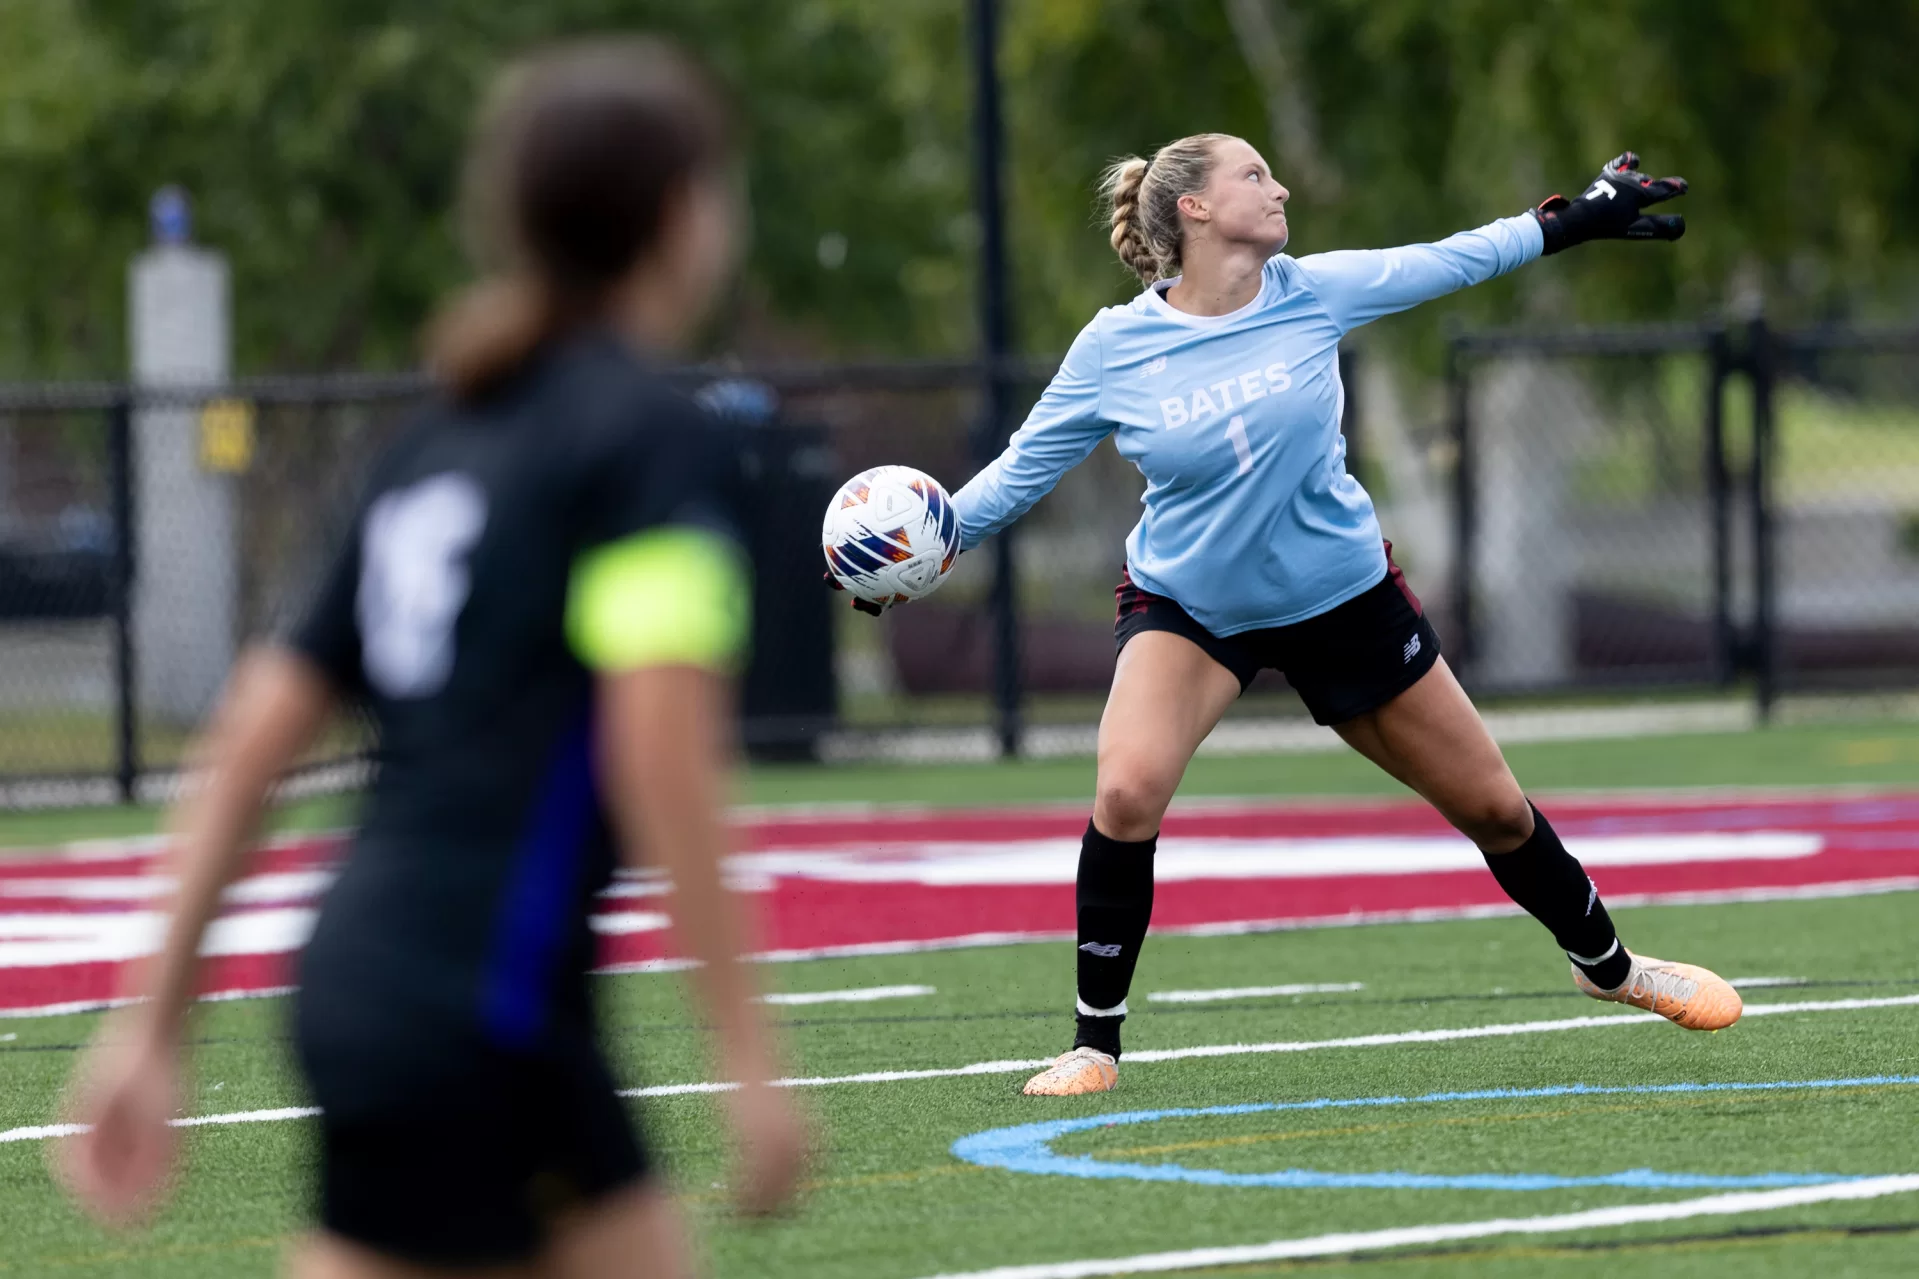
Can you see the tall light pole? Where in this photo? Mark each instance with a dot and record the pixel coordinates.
(996, 342)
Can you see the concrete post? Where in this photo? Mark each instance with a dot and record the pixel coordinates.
(186, 550)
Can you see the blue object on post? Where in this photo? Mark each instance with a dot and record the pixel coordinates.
(170, 216)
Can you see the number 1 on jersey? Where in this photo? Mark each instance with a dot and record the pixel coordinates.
(1236, 432)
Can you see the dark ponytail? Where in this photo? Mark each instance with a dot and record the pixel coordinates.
(577, 156)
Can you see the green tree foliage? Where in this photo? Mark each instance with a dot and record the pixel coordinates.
(1796, 121)
(321, 142)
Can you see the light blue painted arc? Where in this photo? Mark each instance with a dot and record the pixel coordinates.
(1027, 1148)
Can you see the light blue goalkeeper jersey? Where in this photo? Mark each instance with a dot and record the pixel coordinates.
(1251, 520)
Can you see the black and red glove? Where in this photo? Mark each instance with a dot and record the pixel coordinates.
(863, 606)
(1612, 208)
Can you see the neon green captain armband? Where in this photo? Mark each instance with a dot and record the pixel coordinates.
(670, 596)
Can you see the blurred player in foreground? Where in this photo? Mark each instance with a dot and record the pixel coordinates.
(1257, 550)
(541, 601)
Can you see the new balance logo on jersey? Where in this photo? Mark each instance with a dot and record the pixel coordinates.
(1411, 650)
(1105, 950)
(1154, 366)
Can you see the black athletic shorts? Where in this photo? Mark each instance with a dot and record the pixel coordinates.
(1349, 660)
(466, 1160)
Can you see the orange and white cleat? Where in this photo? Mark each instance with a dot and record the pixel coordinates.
(1684, 994)
(1081, 1071)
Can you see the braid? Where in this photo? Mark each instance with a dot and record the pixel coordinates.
(1122, 183)
(1144, 198)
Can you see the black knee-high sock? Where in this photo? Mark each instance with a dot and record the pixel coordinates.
(1115, 899)
(1550, 883)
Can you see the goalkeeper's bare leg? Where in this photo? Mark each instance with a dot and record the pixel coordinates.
(1167, 695)
(1431, 738)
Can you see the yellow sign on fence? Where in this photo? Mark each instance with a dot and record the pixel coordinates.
(226, 436)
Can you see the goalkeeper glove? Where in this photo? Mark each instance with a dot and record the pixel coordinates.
(863, 606)
(1612, 208)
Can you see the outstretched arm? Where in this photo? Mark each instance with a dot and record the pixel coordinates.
(1357, 286)
(1061, 430)
(1360, 286)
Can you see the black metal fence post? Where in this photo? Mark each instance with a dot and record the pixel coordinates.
(996, 338)
(1725, 635)
(120, 477)
(1465, 516)
(1761, 363)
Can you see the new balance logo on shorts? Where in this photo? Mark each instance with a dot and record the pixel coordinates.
(1411, 650)
(1105, 950)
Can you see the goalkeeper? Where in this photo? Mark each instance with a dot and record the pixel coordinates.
(1258, 550)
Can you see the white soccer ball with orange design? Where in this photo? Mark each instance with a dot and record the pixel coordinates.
(890, 535)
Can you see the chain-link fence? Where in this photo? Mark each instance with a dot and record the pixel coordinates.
(1838, 416)
(1679, 506)
(143, 537)
(146, 534)
(59, 587)
(1590, 508)
(1685, 506)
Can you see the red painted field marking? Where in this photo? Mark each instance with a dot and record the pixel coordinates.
(840, 883)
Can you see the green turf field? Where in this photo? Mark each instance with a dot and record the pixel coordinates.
(888, 1199)
(1867, 753)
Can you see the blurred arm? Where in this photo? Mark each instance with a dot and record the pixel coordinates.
(662, 617)
(665, 745)
(273, 706)
(1058, 434)
(1358, 286)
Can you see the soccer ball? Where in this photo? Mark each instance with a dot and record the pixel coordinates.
(890, 535)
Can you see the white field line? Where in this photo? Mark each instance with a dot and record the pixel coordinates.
(1425, 915)
(1017, 863)
(122, 847)
(248, 1117)
(197, 1121)
(858, 950)
(1403, 1236)
(107, 1005)
(1007, 863)
(1163, 1054)
(858, 995)
(1496, 1031)
(647, 966)
(1252, 992)
(620, 922)
(1496, 910)
(1754, 983)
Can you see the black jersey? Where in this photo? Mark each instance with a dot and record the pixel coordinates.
(464, 898)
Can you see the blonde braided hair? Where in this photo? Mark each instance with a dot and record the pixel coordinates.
(1142, 199)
